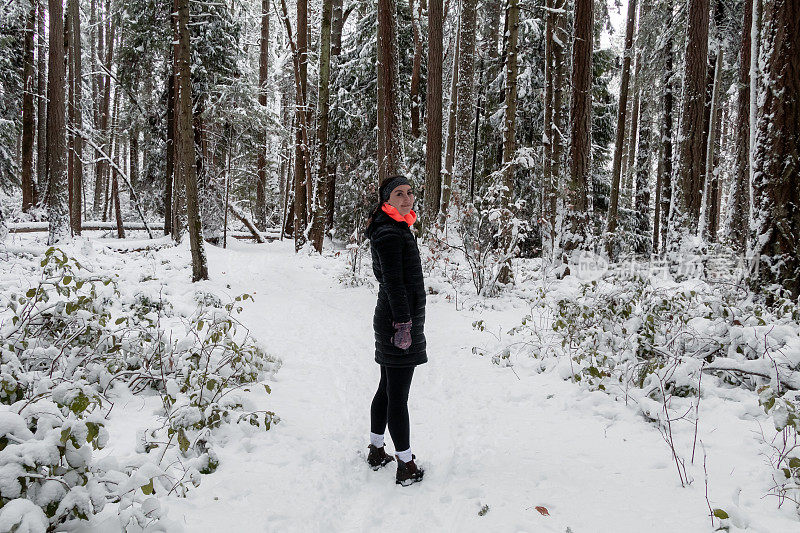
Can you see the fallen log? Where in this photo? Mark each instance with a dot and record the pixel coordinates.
(35, 227)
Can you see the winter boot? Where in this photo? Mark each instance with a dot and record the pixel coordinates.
(408, 473)
(378, 457)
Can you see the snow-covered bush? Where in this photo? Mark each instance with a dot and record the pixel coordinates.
(72, 343)
(478, 229)
(647, 339)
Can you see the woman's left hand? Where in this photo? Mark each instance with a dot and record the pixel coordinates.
(402, 335)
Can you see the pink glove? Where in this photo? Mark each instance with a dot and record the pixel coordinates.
(402, 334)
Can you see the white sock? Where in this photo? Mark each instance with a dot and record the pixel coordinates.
(376, 440)
(405, 455)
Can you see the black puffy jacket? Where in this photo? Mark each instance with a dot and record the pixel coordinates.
(401, 297)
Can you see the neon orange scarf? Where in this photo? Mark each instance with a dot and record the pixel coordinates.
(392, 211)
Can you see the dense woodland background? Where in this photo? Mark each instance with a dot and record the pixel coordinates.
(618, 208)
(519, 122)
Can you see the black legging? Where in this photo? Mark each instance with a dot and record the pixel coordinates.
(391, 402)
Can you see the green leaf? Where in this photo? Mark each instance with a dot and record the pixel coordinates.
(199, 325)
(119, 320)
(794, 462)
(148, 489)
(65, 435)
(266, 387)
(94, 430)
(721, 514)
(31, 293)
(211, 384)
(67, 280)
(79, 404)
(183, 442)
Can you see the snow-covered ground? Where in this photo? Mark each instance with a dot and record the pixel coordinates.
(496, 442)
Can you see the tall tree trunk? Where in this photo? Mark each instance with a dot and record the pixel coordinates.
(184, 141)
(337, 25)
(465, 108)
(685, 212)
(317, 232)
(263, 71)
(115, 199)
(739, 200)
(559, 124)
(547, 128)
(450, 149)
(580, 148)
(709, 220)
(133, 154)
(776, 195)
(57, 207)
(102, 169)
(28, 118)
(433, 115)
(641, 204)
(170, 155)
(416, 69)
(509, 139)
(41, 105)
(491, 29)
(664, 193)
(76, 117)
(611, 228)
(390, 130)
(629, 171)
(301, 153)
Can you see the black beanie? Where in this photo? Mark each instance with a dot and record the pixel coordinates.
(386, 189)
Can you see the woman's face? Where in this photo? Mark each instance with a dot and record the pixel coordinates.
(402, 199)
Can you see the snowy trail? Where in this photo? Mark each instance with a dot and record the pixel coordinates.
(485, 436)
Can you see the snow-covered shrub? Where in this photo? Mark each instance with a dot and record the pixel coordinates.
(785, 410)
(648, 340)
(478, 228)
(74, 341)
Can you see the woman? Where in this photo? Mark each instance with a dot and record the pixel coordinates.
(398, 322)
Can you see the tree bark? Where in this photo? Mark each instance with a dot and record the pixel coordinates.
(710, 220)
(76, 118)
(664, 193)
(263, 72)
(317, 232)
(776, 195)
(465, 108)
(184, 138)
(557, 132)
(57, 207)
(509, 139)
(580, 148)
(28, 114)
(433, 115)
(450, 150)
(739, 200)
(41, 105)
(416, 68)
(102, 169)
(170, 155)
(390, 132)
(685, 213)
(611, 244)
(629, 170)
(301, 147)
(547, 127)
(641, 203)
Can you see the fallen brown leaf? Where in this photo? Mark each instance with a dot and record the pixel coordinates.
(542, 510)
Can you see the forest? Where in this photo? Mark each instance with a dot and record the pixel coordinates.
(608, 195)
